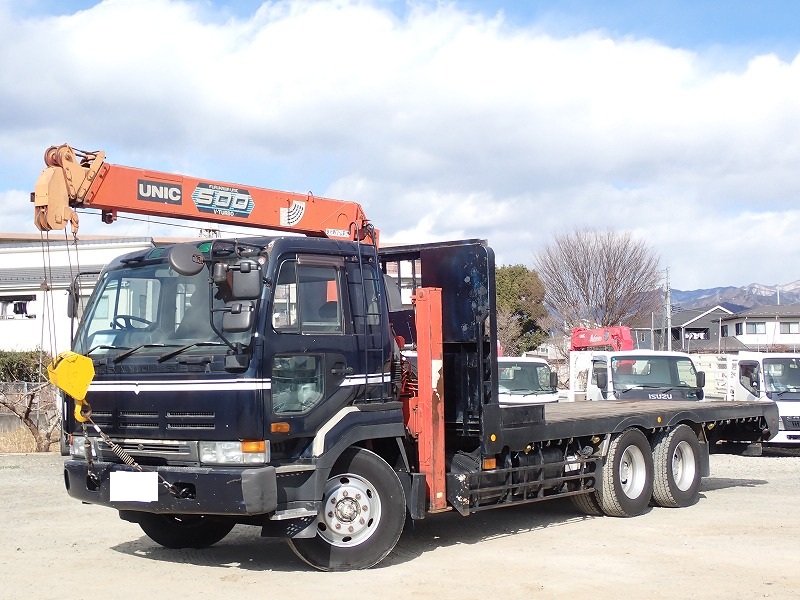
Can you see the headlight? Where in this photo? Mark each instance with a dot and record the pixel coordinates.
(248, 452)
(77, 446)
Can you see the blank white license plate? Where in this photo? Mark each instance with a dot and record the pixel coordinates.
(134, 486)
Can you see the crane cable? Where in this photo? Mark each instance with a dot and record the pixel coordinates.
(85, 409)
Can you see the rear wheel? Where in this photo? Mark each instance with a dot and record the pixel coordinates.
(184, 531)
(627, 475)
(676, 461)
(587, 504)
(362, 515)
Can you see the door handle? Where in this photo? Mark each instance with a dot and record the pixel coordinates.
(342, 370)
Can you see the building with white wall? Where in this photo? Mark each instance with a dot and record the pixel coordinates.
(773, 327)
(34, 279)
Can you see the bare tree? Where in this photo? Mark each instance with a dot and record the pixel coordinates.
(509, 331)
(35, 406)
(25, 392)
(599, 278)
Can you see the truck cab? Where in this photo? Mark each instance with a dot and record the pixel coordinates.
(769, 376)
(634, 375)
(526, 380)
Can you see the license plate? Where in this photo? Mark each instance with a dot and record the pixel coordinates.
(134, 486)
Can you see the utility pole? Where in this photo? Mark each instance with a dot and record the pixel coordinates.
(668, 308)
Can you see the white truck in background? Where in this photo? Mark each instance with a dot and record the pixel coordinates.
(633, 375)
(769, 376)
(526, 380)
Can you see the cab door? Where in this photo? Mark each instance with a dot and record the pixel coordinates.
(310, 345)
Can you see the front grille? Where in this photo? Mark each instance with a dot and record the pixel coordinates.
(152, 452)
(166, 447)
(791, 423)
(138, 425)
(129, 421)
(190, 426)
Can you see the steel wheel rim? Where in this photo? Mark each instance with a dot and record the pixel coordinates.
(684, 466)
(632, 472)
(351, 511)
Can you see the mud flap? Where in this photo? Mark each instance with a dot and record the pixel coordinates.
(259, 490)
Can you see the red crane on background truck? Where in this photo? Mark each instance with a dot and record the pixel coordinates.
(601, 338)
(261, 381)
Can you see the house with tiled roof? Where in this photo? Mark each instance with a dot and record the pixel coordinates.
(691, 330)
(772, 327)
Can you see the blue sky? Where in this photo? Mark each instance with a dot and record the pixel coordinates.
(511, 121)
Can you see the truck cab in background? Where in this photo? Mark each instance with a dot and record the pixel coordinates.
(769, 376)
(634, 375)
(526, 380)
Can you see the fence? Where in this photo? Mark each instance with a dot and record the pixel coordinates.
(45, 405)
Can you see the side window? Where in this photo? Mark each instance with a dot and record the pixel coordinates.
(297, 383)
(597, 367)
(687, 375)
(308, 298)
(748, 377)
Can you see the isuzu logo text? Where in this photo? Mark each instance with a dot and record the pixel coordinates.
(660, 396)
(223, 200)
(154, 191)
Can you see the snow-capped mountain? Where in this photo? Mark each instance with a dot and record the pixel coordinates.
(739, 298)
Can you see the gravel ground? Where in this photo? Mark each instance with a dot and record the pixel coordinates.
(740, 541)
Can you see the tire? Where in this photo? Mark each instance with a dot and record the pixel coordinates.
(587, 504)
(676, 463)
(362, 517)
(184, 531)
(627, 475)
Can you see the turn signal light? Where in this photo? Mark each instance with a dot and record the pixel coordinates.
(250, 446)
(280, 427)
(489, 464)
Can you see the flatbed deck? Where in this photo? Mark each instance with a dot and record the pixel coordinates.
(575, 419)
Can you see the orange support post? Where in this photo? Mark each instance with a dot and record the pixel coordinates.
(430, 402)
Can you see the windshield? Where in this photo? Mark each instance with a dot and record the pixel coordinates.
(782, 375)
(652, 372)
(520, 378)
(152, 309)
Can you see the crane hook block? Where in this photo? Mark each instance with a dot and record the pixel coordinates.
(72, 373)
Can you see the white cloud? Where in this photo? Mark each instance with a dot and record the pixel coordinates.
(441, 123)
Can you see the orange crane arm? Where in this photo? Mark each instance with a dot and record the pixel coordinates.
(67, 184)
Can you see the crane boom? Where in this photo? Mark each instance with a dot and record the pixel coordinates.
(77, 179)
(615, 338)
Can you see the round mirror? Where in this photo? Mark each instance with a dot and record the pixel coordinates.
(186, 259)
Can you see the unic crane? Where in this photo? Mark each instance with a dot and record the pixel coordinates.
(261, 381)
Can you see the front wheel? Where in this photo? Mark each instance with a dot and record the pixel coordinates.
(627, 475)
(184, 531)
(362, 515)
(676, 458)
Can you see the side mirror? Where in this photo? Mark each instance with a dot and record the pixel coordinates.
(238, 316)
(246, 281)
(602, 380)
(553, 380)
(219, 273)
(186, 259)
(701, 379)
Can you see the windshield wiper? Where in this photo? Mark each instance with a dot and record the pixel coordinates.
(123, 355)
(643, 386)
(171, 353)
(105, 347)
